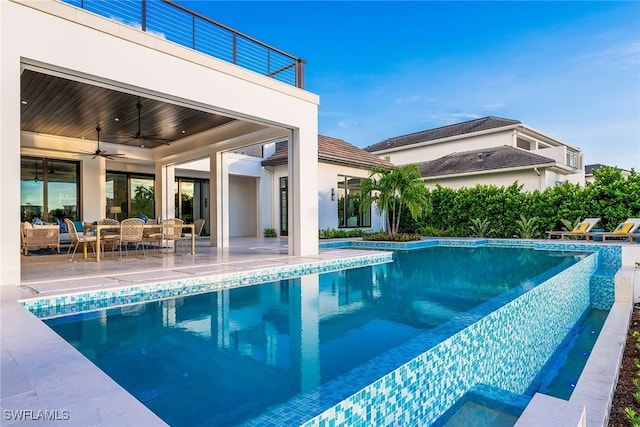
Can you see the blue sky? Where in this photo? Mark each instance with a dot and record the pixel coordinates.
(384, 69)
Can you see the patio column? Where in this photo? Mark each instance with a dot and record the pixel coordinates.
(165, 191)
(219, 197)
(93, 189)
(303, 192)
(9, 159)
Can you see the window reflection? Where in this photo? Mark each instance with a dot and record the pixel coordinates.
(349, 201)
(133, 194)
(49, 189)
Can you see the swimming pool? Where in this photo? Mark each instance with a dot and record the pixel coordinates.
(244, 350)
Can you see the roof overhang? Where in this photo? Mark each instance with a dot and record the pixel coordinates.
(447, 139)
(485, 172)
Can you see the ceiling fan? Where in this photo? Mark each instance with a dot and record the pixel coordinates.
(100, 152)
(140, 136)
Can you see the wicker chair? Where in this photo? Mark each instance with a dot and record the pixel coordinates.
(198, 226)
(76, 238)
(131, 231)
(171, 231)
(108, 238)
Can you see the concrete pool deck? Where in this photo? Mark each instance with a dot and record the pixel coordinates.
(45, 378)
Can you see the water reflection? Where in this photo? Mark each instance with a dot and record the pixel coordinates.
(227, 356)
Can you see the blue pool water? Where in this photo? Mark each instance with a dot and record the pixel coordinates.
(225, 357)
(565, 368)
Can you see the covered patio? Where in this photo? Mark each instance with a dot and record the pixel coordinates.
(158, 105)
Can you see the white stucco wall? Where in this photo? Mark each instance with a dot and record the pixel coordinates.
(435, 149)
(327, 208)
(243, 210)
(72, 44)
(528, 178)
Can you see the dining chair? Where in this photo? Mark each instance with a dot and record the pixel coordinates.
(77, 238)
(108, 238)
(198, 226)
(171, 231)
(131, 231)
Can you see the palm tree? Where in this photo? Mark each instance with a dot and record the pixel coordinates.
(392, 190)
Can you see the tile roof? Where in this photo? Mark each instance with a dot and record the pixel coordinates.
(442, 132)
(331, 150)
(487, 159)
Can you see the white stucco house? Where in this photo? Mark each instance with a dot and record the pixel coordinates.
(162, 94)
(489, 150)
(341, 167)
(589, 169)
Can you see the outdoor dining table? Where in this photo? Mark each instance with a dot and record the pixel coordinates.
(99, 227)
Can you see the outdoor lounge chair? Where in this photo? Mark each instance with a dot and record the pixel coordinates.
(579, 230)
(625, 230)
(40, 236)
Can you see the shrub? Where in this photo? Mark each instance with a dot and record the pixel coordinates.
(526, 228)
(480, 227)
(270, 232)
(398, 237)
(330, 233)
(429, 230)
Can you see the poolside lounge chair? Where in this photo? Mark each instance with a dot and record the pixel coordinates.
(579, 230)
(625, 230)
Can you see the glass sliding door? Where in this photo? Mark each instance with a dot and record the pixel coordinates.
(192, 200)
(49, 189)
(142, 196)
(350, 214)
(284, 206)
(129, 195)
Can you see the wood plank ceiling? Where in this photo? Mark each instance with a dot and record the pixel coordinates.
(57, 106)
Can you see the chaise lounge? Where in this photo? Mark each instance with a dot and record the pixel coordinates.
(583, 229)
(625, 230)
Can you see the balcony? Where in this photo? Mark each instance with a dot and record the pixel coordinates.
(175, 23)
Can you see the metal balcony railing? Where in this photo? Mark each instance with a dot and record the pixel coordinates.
(173, 22)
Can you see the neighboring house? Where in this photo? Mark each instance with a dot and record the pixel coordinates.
(158, 104)
(490, 150)
(588, 171)
(341, 166)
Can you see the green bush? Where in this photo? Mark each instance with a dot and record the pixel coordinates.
(331, 233)
(398, 237)
(270, 232)
(612, 197)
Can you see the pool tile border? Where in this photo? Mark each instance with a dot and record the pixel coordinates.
(75, 302)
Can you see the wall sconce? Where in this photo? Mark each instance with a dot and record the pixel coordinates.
(333, 194)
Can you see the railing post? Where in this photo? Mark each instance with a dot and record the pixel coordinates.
(143, 12)
(300, 73)
(234, 49)
(193, 32)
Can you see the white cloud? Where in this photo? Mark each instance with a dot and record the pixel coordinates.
(408, 99)
(347, 124)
